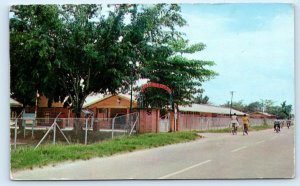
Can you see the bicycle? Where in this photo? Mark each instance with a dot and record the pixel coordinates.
(288, 124)
(234, 129)
(245, 129)
(277, 128)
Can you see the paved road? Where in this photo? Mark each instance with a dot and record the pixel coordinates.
(262, 154)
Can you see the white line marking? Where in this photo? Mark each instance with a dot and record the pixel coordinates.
(183, 170)
(235, 150)
(260, 142)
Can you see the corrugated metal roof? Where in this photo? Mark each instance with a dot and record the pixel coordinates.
(208, 109)
(14, 103)
(263, 113)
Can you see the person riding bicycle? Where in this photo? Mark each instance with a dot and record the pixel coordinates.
(288, 123)
(245, 120)
(234, 122)
(276, 124)
(281, 123)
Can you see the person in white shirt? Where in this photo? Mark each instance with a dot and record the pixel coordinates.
(234, 122)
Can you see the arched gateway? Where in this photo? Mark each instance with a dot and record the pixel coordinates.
(155, 85)
(150, 120)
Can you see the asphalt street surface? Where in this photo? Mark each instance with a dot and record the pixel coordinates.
(262, 154)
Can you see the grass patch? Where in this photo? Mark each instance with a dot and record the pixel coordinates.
(27, 157)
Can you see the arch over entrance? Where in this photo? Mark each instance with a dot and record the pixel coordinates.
(155, 85)
(150, 122)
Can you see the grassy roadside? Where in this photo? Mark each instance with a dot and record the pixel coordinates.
(27, 158)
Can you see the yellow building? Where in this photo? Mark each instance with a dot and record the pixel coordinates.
(102, 106)
(110, 106)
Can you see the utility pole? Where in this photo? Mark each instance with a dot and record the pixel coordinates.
(133, 67)
(231, 92)
(263, 106)
(36, 103)
(131, 84)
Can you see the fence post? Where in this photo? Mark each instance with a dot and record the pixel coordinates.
(132, 127)
(85, 138)
(112, 128)
(24, 130)
(45, 135)
(15, 139)
(16, 132)
(54, 132)
(32, 128)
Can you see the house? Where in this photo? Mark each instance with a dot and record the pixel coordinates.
(102, 106)
(43, 102)
(208, 110)
(200, 116)
(15, 108)
(260, 115)
(109, 106)
(43, 111)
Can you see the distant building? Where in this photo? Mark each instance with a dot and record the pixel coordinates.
(110, 106)
(43, 102)
(196, 116)
(15, 108)
(208, 110)
(261, 115)
(102, 106)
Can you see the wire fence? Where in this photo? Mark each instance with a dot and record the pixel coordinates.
(32, 132)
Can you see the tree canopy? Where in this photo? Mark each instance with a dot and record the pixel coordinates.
(200, 99)
(76, 50)
(183, 75)
(282, 111)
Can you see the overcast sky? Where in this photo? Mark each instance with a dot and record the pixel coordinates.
(252, 46)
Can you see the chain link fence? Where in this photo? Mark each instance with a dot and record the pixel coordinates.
(33, 132)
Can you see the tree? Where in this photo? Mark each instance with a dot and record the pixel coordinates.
(32, 51)
(285, 111)
(254, 107)
(239, 105)
(79, 50)
(182, 75)
(200, 99)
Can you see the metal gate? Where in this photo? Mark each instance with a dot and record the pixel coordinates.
(164, 123)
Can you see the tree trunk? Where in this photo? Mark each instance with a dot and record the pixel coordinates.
(77, 123)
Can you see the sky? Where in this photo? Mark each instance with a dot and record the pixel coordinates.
(252, 46)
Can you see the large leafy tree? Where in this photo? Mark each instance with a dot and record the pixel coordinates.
(32, 51)
(200, 99)
(183, 75)
(238, 105)
(254, 107)
(75, 50)
(283, 111)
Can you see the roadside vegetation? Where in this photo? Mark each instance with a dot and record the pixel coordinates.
(28, 158)
(25, 157)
